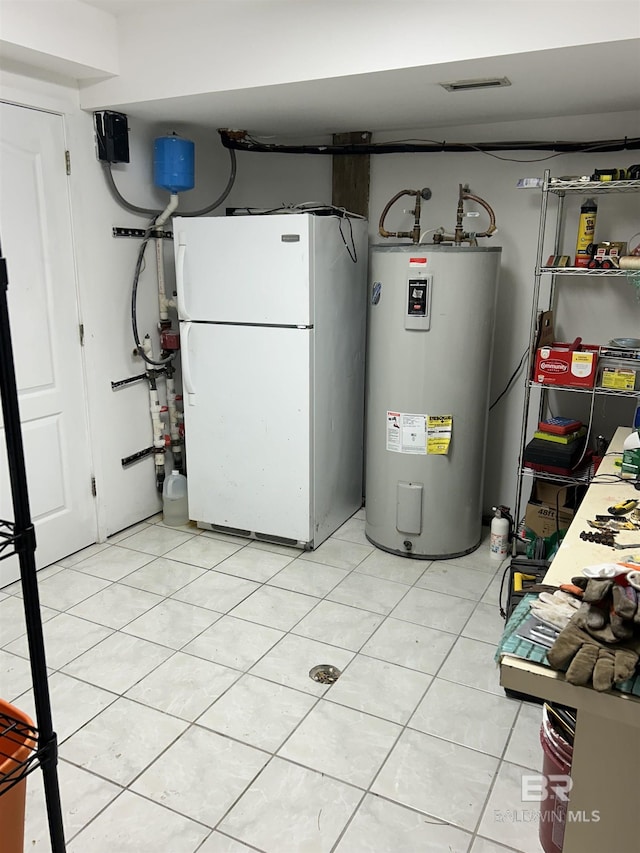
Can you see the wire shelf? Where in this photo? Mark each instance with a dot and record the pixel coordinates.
(560, 187)
(598, 390)
(15, 736)
(8, 539)
(583, 271)
(582, 476)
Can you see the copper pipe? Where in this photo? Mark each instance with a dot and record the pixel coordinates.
(415, 233)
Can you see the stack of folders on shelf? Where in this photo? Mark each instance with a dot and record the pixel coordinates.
(556, 447)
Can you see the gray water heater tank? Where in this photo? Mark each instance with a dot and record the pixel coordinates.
(430, 340)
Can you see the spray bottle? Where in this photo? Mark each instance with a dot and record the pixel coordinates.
(586, 231)
(500, 532)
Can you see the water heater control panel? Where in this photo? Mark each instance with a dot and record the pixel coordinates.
(418, 301)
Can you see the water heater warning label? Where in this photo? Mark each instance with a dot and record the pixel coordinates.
(406, 433)
(422, 434)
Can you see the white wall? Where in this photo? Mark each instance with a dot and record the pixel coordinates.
(215, 47)
(593, 309)
(120, 421)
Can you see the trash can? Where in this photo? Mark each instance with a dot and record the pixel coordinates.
(558, 755)
(18, 740)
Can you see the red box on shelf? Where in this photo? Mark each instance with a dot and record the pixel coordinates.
(567, 364)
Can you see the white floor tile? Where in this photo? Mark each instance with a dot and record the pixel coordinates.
(484, 845)
(183, 686)
(410, 645)
(201, 775)
(524, 745)
(437, 777)
(291, 808)
(85, 553)
(507, 819)
(290, 661)
(116, 606)
(15, 676)
(203, 551)
(353, 531)
(275, 607)
(472, 663)
(162, 576)
(380, 826)
(172, 623)
(434, 610)
(338, 553)
(339, 625)
(258, 712)
(68, 588)
(128, 531)
(234, 642)
(368, 592)
(392, 567)
(73, 703)
(132, 824)
(216, 591)
(83, 795)
(16, 587)
(485, 624)
(118, 662)
(121, 741)
(379, 688)
(455, 580)
(156, 540)
(466, 716)
(12, 622)
(253, 565)
(219, 843)
(342, 743)
(112, 563)
(309, 578)
(65, 638)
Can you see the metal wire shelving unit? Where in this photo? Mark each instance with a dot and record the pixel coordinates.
(18, 537)
(558, 187)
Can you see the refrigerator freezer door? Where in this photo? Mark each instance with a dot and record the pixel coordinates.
(248, 428)
(244, 269)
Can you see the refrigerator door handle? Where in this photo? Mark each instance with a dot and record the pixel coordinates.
(182, 248)
(187, 379)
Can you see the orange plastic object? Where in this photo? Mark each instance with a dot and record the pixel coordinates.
(15, 748)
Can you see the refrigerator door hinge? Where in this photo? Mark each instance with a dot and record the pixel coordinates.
(67, 161)
(94, 490)
(81, 333)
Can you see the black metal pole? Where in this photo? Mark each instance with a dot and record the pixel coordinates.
(25, 545)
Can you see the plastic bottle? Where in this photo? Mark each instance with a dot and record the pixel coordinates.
(175, 509)
(499, 535)
(586, 232)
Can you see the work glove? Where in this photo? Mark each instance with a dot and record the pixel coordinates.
(610, 610)
(593, 661)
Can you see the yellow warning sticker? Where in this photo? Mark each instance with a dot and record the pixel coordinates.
(439, 429)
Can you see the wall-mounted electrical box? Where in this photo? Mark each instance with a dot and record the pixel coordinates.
(112, 136)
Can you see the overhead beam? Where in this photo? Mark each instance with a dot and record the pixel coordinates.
(350, 175)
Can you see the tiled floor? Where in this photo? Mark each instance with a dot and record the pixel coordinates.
(187, 720)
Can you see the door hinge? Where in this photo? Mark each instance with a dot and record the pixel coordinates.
(81, 334)
(94, 490)
(67, 161)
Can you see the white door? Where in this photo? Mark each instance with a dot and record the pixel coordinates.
(35, 230)
(248, 427)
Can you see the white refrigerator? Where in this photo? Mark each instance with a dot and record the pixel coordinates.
(272, 323)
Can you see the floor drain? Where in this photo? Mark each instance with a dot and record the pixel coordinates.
(324, 673)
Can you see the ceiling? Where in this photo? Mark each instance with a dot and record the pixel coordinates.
(544, 84)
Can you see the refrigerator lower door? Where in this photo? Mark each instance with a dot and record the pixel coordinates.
(248, 428)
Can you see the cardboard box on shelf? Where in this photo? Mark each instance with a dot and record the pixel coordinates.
(540, 515)
(566, 364)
